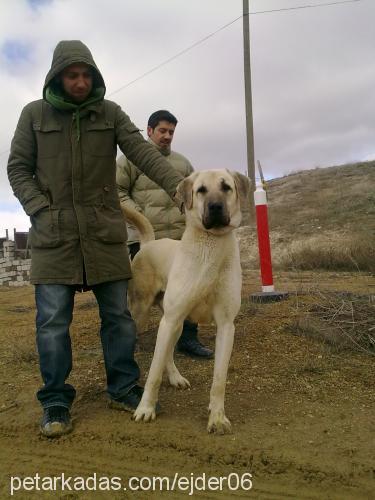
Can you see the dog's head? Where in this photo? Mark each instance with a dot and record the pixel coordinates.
(212, 199)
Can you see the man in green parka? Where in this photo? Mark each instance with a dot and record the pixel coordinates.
(62, 168)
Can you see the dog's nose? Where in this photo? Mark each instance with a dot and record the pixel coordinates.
(215, 208)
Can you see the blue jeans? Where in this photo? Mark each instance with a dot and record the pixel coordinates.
(118, 335)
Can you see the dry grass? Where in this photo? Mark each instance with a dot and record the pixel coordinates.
(23, 352)
(353, 255)
(343, 321)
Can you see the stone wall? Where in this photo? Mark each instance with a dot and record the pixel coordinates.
(13, 271)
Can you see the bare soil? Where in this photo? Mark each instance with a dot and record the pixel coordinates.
(302, 413)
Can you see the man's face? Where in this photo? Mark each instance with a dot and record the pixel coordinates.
(77, 81)
(162, 134)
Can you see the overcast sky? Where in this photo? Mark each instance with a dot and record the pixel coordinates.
(313, 76)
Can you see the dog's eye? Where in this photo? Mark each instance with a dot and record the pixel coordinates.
(202, 190)
(225, 187)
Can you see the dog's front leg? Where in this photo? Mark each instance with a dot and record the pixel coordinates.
(217, 421)
(167, 335)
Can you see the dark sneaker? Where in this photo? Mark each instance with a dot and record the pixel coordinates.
(130, 401)
(56, 422)
(193, 348)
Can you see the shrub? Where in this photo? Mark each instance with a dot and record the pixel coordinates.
(341, 320)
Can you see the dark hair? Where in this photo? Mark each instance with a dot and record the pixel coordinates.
(159, 116)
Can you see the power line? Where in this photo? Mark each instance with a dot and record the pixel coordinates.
(304, 7)
(175, 56)
(204, 39)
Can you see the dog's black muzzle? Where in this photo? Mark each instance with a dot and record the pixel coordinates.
(215, 215)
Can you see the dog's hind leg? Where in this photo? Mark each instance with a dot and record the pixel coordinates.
(140, 310)
(140, 301)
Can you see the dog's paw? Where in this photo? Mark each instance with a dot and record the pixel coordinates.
(144, 413)
(177, 380)
(218, 423)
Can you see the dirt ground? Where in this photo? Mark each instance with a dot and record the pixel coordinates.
(302, 413)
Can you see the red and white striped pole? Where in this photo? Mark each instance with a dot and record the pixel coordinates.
(261, 208)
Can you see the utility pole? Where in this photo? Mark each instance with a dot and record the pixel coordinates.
(248, 97)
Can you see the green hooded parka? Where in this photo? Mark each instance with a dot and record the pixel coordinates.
(62, 168)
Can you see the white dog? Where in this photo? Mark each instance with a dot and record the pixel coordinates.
(198, 278)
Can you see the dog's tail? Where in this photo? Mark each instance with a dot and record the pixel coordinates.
(145, 229)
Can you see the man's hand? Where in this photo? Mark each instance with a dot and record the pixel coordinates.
(179, 202)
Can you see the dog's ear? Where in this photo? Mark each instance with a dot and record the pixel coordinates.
(243, 185)
(184, 192)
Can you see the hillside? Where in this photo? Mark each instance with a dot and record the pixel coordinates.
(334, 198)
(326, 211)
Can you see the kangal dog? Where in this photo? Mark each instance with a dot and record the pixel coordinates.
(198, 278)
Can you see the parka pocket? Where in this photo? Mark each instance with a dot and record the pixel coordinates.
(45, 229)
(68, 224)
(99, 139)
(108, 225)
(49, 139)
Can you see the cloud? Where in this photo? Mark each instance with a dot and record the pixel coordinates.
(15, 52)
(312, 74)
(37, 4)
(15, 219)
